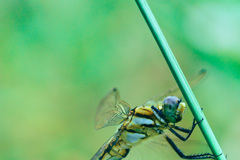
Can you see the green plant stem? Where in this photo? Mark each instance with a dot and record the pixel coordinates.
(180, 79)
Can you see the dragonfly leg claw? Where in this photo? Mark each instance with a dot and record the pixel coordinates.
(220, 155)
(198, 121)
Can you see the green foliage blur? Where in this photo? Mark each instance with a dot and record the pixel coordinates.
(59, 58)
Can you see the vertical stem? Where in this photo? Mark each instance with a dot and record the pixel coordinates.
(180, 79)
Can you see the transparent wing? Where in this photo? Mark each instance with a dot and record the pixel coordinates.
(111, 110)
(176, 91)
(158, 148)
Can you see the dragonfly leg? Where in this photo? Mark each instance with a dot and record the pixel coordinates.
(158, 113)
(189, 131)
(183, 156)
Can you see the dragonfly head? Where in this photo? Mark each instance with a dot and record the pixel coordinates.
(173, 109)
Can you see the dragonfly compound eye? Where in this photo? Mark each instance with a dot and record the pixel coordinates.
(170, 106)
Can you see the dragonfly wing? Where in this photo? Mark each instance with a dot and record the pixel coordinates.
(192, 81)
(111, 110)
(157, 147)
(190, 147)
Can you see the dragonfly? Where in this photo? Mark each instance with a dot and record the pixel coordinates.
(151, 119)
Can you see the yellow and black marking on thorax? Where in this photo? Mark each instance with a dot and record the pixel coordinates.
(141, 125)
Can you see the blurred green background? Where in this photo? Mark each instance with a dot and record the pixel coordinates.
(59, 58)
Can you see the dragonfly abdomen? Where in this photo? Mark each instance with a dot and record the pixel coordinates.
(115, 149)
